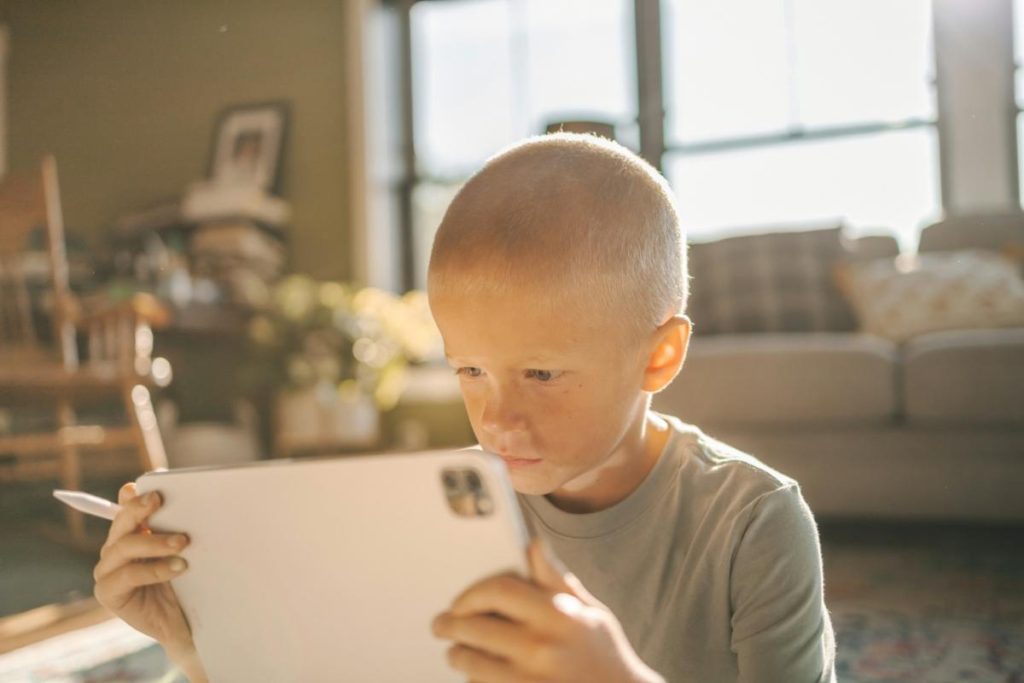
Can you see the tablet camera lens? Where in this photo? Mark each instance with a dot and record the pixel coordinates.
(465, 491)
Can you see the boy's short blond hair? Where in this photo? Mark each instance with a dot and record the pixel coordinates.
(573, 214)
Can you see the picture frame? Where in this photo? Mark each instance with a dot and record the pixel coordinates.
(248, 145)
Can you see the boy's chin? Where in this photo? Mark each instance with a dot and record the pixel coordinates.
(529, 486)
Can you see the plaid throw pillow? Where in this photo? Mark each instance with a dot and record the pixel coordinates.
(775, 282)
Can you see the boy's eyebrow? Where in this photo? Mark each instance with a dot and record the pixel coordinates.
(528, 359)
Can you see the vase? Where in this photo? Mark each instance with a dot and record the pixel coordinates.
(321, 418)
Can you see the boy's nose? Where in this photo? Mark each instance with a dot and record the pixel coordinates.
(502, 414)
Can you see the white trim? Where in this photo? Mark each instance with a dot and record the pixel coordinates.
(974, 71)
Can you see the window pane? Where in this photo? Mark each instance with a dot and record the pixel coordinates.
(862, 60)
(462, 83)
(726, 70)
(880, 181)
(579, 61)
(737, 68)
(490, 72)
(429, 202)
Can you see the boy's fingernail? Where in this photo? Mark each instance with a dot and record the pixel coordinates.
(177, 564)
(567, 604)
(177, 541)
(150, 498)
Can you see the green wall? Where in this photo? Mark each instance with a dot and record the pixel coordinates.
(125, 94)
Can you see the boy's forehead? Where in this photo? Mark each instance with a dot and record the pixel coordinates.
(521, 328)
(534, 330)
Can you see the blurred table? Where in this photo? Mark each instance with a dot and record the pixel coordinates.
(209, 349)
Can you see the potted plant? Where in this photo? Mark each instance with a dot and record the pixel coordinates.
(338, 357)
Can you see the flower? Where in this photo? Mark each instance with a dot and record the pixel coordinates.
(328, 334)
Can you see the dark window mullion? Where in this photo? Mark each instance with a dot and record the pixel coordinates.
(796, 135)
(409, 177)
(650, 100)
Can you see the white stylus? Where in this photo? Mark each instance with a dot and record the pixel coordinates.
(88, 503)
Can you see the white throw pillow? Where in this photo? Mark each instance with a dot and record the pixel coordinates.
(910, 295)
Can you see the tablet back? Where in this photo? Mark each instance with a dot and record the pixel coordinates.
(332, 569)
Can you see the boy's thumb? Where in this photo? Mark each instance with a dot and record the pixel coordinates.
(547, 570)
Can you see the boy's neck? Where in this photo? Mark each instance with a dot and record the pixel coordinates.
(642, 448)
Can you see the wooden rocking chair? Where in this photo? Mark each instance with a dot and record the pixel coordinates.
(50, 376)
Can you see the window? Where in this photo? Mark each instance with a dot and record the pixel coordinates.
(489, 72)
(882, 180)
(800, 110)
(776, 111)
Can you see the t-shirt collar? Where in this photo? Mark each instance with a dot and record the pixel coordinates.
(609, 520)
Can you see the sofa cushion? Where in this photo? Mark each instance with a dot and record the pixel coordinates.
(771, 282)
(973, 377)
(784, 379)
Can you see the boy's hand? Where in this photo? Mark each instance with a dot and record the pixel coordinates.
(132, 578)
(507, 628)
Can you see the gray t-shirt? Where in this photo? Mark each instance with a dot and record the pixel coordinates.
(712, 566)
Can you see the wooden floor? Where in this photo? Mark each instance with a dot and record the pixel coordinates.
(44, 622)
(39, 566)
(45, 579)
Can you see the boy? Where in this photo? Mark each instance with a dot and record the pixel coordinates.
(558, 281)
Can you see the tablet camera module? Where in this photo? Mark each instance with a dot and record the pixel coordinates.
(466, 493)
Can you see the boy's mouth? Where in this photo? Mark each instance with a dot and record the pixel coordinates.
(513, 462)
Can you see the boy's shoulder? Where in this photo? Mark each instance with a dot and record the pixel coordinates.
(711, 465)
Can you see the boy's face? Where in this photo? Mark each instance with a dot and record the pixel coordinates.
(553, 394)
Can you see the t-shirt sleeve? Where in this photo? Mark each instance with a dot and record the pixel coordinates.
(781, 630)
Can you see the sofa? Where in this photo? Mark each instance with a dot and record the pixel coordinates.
(931, 427)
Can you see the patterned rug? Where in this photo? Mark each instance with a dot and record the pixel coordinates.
(109, 652)
(926, 604)
(920, 604)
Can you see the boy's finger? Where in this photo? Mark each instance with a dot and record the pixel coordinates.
(126, 493)
(133, 513)
(491, 634)
(114, 590)
(515, 598)
(481, 666)
(137, 547)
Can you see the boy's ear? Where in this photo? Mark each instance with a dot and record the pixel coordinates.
(668, 351)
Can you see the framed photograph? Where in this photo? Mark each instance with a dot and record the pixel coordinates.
(248, 145)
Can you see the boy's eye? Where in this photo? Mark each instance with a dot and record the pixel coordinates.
(470, 372)
(544, 375)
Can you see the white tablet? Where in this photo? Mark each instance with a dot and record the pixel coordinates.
(333, 569)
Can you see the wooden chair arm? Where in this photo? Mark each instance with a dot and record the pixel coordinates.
(120, 334)
(141, 307)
